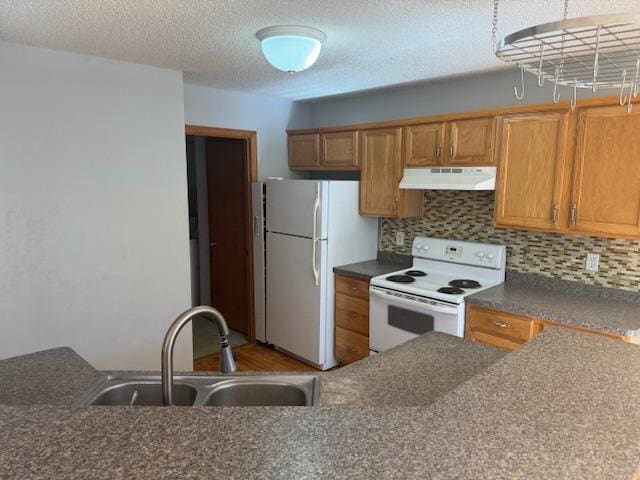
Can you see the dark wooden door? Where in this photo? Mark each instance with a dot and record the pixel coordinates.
(228, 230)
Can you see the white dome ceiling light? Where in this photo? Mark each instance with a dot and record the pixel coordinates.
(291, 48)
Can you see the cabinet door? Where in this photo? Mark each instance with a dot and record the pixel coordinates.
(471, 142)
(340, 150)
(304, 151)
(423, 145)
(381, 164)
(532, 157)
(605, 197)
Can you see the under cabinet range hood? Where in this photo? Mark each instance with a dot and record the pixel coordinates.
(449, 178)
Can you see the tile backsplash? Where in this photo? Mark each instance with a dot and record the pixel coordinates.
(468, 215)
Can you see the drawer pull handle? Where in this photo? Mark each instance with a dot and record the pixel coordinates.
(501, 324)
(354, 315)
(354, 289)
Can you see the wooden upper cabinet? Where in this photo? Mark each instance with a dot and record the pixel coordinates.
(304, 151)
(471, 142)
(532, 164)
(381, 172)
(423, 145)
(605, 196)
(339, 150)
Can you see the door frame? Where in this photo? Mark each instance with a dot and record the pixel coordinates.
(251, 141)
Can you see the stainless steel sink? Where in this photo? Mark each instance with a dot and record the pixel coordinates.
(256, 393)
(143, 394)
(208, 390)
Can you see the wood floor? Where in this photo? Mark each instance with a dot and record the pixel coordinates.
(255, 358)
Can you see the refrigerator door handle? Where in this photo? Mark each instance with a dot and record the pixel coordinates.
(316, 273)
(316, 208)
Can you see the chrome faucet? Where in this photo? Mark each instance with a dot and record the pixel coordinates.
(227, 363)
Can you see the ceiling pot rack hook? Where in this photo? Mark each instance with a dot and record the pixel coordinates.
(635, 86)
(556, 92)
(541, 65)
(520, 96)
(596, 59)
(624, 98)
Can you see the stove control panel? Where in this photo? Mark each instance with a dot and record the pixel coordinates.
(468, 253)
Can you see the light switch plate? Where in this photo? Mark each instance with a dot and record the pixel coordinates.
(593, 262)
(399, 237)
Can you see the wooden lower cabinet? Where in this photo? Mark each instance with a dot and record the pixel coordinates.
(510, 331)
(499, 329)
(351, 319)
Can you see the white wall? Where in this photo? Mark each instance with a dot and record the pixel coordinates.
(268, 116)
(94, 250)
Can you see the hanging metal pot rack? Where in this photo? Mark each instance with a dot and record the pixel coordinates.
(600, 51)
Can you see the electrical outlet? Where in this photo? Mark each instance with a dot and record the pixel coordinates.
(593, 262)
(399, 237)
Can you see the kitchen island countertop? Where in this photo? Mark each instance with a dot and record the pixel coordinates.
(565, 406)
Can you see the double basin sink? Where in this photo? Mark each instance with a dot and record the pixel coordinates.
(207, 390)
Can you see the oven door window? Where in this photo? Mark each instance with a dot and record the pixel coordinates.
(410, 321)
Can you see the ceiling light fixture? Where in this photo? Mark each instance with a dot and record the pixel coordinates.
(291, 48)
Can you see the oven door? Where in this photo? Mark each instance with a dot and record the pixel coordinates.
(396, 317)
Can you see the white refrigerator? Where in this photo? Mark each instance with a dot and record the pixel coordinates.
(311, 227)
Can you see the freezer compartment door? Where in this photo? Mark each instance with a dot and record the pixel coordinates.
(296, 304)
(297, 207)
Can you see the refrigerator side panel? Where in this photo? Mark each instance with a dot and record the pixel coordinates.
(291, 207)
(352, 238)
(258, 261)
(294, 301)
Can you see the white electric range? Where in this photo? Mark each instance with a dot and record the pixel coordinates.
(429, 296)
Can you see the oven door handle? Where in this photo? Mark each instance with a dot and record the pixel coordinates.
(409, 303)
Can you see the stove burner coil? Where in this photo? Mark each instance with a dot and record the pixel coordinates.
(400, 279)
(415, 273)
(451, 290)
(464, 283)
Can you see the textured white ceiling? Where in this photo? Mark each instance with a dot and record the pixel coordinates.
(370, 43)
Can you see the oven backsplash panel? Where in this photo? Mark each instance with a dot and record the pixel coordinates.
(468, 215)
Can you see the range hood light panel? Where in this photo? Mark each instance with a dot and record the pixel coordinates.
(449, 178)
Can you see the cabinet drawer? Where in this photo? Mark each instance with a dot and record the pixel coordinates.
(352, 287)
(351, 346)
(501, 329)
(352, 313)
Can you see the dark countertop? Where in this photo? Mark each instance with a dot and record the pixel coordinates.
(564, 302)
(54, 377)
(412, 374)
(385, 263)
(565, 406)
